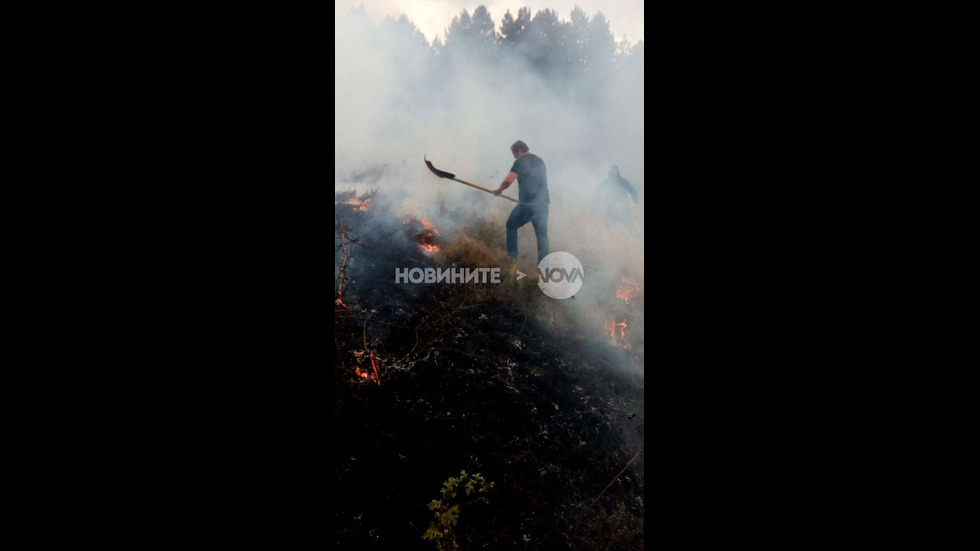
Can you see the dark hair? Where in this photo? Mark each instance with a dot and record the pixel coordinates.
(519, 146)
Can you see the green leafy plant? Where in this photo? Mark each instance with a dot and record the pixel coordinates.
(617, 527)
(446, 509)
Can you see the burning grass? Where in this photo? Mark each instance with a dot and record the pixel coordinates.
(617, 332)
(608, 309)
(627, 290)
(357, 203)
(424, 233)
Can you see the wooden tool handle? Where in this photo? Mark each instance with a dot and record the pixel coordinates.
(485, 189)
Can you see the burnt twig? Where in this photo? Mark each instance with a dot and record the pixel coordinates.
(377, 376)
(436, 324)
(615, 477)
(345, 242)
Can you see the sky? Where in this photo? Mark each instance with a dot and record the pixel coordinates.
(433, 17)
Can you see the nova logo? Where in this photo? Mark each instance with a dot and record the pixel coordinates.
(560, 275)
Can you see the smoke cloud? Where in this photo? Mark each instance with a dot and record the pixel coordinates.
(560, 85)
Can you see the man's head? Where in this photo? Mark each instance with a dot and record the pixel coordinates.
(519, 149)
(614, 171)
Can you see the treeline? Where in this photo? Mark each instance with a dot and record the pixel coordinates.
(553, 46)
(561, 51)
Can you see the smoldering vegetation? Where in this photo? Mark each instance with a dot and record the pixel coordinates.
(544, 397)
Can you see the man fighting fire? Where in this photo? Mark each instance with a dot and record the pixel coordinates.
(616, 192)
(532, 180)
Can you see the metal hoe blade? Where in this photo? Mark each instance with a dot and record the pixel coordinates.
(451, 176)
(436, 171)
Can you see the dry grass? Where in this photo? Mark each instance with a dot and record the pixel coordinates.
(474, 253)
(607, 256)
(480, 244)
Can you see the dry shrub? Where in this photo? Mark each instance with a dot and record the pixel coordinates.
(471, 253)
(490, 231)
(480, 252)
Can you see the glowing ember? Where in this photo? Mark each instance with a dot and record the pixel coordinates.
(340, 302)
(376, 375)
(627, 290)
(365, 374)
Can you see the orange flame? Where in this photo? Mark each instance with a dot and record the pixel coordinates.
(340, 302)
(426, 239)
(613, 327)
(364, 374)
(358, 204)
(627, 290)
(428, 225)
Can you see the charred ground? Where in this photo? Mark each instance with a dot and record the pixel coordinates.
(436, 379)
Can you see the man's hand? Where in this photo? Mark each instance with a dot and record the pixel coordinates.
(508, 180)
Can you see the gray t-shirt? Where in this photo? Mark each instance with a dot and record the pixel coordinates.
(532, 179)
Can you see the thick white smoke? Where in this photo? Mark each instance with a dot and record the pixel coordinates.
(397, 100)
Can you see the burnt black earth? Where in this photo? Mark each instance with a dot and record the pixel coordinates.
(477, 386)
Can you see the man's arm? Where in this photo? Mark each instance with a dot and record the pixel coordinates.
(632, 190)
(506, 183)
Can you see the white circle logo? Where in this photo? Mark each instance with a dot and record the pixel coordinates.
(560, 275)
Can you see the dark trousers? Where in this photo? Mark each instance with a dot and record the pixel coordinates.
(537, 215)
